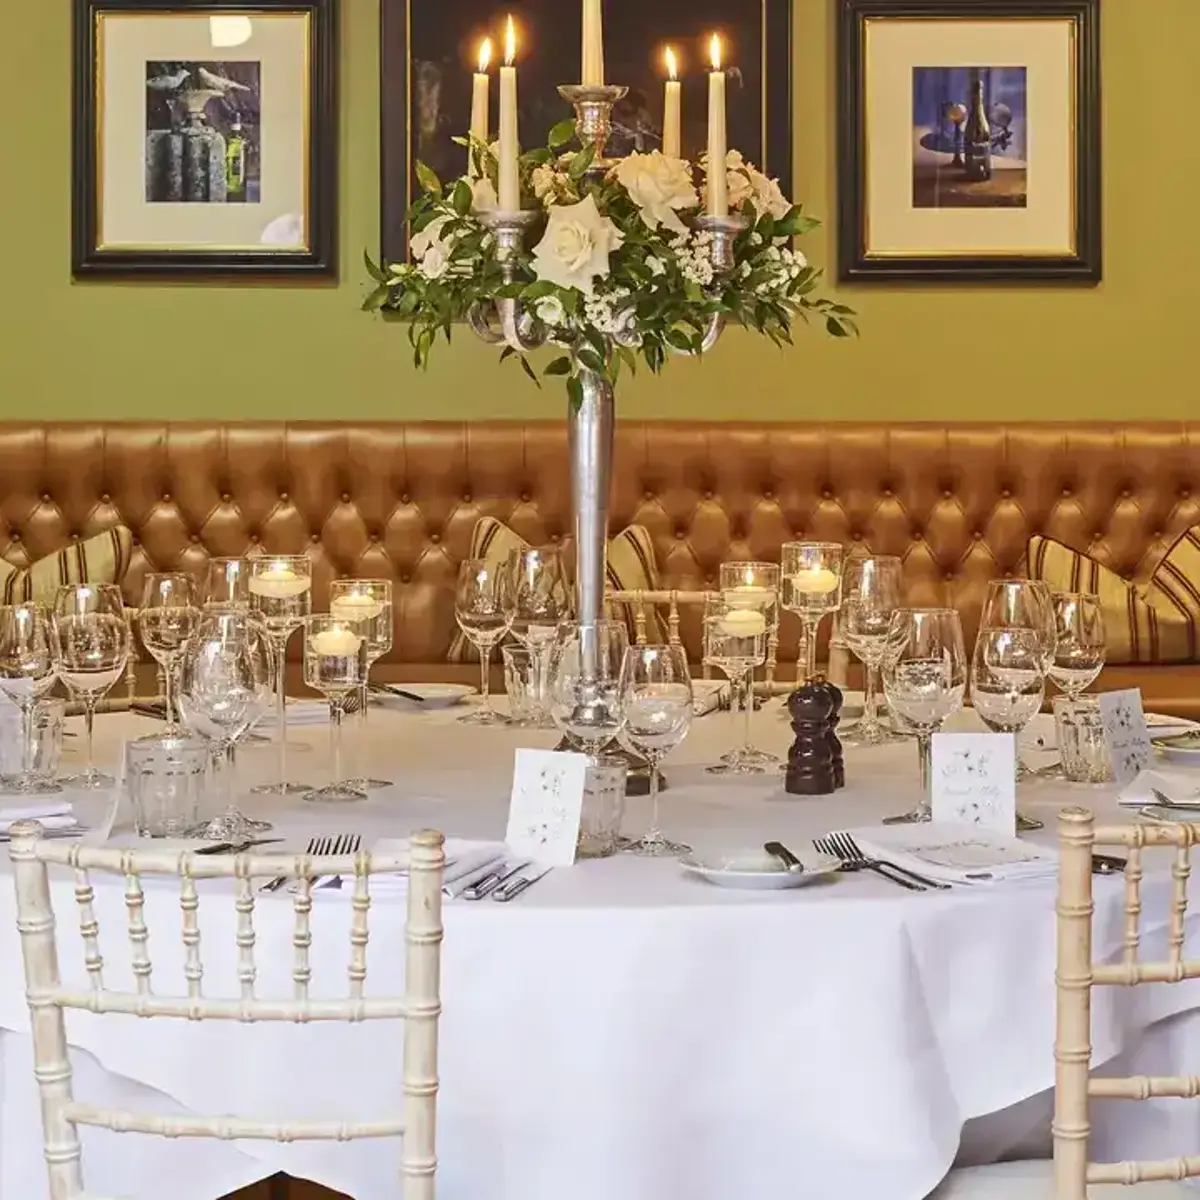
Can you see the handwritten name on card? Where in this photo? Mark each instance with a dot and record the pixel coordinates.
(975, 780)
(1125, 733)
(546, 806)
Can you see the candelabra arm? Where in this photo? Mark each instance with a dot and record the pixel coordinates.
(505, 322)
(483, 320)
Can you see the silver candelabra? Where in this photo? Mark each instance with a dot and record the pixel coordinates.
(509, 322)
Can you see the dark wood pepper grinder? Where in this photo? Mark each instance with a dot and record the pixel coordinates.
(835, 743)
(810, 766)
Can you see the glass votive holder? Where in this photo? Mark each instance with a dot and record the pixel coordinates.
(519, 684)
(603, 808)
(165, 782)
(1079, 732)
(48, 717)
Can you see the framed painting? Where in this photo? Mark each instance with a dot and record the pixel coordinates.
(969, 140)
(429, 51)
(204, 137)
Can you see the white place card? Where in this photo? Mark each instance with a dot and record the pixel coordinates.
(1126, 733)
(974, 780)
(546, 806)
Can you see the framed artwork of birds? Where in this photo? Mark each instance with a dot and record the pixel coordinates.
(430, 50)
(204, 138)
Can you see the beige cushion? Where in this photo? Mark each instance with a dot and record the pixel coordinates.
(1156, 622)
(631, 568)
(1035, 1181)
(101, 559)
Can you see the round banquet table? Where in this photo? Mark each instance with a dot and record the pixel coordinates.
(623, 1031)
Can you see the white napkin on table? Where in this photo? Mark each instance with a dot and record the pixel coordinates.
(299, 713)
(953, 853)
(57, 815)
(1183, 787)
(464, 859)
(707, 694)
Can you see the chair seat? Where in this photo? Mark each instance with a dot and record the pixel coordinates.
(1035, 1181)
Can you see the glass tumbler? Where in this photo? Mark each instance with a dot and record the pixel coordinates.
(165, 782)
(45, 750)
(520, 685)
(1080, 734)
(603, 808)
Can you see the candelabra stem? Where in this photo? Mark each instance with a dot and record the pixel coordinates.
(591, 435)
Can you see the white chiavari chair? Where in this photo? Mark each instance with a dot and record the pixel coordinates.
(1070, 1176)
(419, 1007)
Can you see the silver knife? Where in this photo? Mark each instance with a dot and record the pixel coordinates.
(515, 886)
(494, 878)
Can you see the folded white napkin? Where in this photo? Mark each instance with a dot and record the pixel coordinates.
(58, 815)
(299, 714)
(464, 861)
(706, 695)
(957, 853)
(1181, 787)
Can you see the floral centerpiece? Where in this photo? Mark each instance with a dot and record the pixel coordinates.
(615, 264)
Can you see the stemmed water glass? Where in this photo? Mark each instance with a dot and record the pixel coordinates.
(872, 590)
(93, 647)
(585, 682)
(367, 603)
(225, 683)
(1008, 679)
(541, 600)
(1080, 645)
(656, 703)
(812, 588)
(280, 590)
(335, 664)
(167, 618)
(28, 669)
(753, 586)
(227, 584)
(483, 607)
(924, 679)
(735, 642)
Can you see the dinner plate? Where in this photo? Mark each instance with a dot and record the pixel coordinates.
(1182, 748)
(433, 695)
(757, 871)
(1163, 721)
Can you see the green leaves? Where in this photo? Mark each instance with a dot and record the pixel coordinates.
(461, 198)
(579, 164)
(560, 366)
(428, 179)
(561, 134)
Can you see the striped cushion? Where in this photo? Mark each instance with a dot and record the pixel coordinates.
(101, 559)
(1156, 622)
(631, 567)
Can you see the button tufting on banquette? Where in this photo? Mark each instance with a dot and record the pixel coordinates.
(958, 502)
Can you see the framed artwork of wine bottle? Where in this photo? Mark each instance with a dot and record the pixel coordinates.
(969, 140)
(204, 138)
(431, 48)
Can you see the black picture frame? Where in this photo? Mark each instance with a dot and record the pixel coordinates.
(397, 182)
(855, 262)
(318, 258)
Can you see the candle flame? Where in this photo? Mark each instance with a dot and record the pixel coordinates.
(510, 42)
(715, 51)
(485, 55)
(672, 65)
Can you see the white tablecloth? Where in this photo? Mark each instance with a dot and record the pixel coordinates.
(621, 1032)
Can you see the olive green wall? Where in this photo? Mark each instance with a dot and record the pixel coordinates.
(1124, 349)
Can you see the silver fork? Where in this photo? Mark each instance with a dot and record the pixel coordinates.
(316, 846)
(843, 846)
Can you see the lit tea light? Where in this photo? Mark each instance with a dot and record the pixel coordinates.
(356, 606)
(336, 643)
(744, 623)
(815, 581)
(748, 595)
(279, 582)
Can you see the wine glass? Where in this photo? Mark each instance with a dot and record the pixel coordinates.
(1008, 679)
(812, 587)
(1080, 646)
(873, 589)
(227, 583)
(585, 682)
(541, 599)
(924, 678)
(656, 703)
(483, 606)
(93, 647)
(280, 591)
(735, 642)
(335, 664)
(28, 669)
(369, 603)
(167, 618)
(225, 683)
(753, 586)
(1022, 604)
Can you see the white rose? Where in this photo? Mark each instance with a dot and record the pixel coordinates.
(483, 195)
(421, 243)
(543, 180)
(435, 262)
(550, 311)
(655, 265)
(768, 196)
(659, 186)
(574, 249)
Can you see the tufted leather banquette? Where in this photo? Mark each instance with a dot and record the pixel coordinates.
(958, 502)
